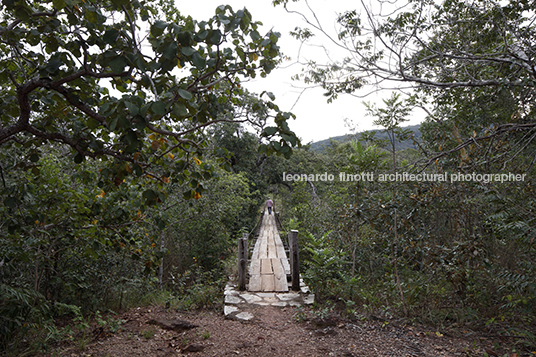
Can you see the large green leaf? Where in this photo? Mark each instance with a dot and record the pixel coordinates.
(170, 51)
(215, 37)
(34, 157)
(270, 130)
(79, 158)
(110, 36)
(199, 62)
(118, 64)
(289, 138)
(159, 108)
(132, 107)
(185, 94)
(157, 29)
(131, 139)
(91, 15)
(180, 110)
(255, 36)
(150, 197)
(112, 122)
(53, 66)
(188, 51)
(58, 4)
(10, 202)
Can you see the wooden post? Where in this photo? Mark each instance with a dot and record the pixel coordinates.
(294, 259)
(278, 220)
(242, 261)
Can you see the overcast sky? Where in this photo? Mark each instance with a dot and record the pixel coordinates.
(316, 119)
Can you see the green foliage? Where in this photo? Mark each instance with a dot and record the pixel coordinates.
(323, 264)
(22, 310)
(196, 289)
(148, 334)
(206, 335)
(451, 253)
(464, 251)
(110, 164)
(109, 324)
(171, 82)
(97, 248)
(202, 232)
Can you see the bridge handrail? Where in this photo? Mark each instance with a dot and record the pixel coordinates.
(244, 252)
(281, 228)
(255, 230)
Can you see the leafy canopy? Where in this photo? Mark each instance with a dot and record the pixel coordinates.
(130, 80)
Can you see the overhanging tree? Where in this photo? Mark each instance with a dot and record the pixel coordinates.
(133, 81)
(122, 94)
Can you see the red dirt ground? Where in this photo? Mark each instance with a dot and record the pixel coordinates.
(275, 332)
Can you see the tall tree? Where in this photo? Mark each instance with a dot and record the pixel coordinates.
(390, 117)
(106, 109)
(128, 80)
(443, 50)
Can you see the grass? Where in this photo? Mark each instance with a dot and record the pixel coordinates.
(148, 334)
(83, 342)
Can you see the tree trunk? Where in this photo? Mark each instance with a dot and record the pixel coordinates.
(161, 268)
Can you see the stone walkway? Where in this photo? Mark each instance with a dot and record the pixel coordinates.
(240, 305)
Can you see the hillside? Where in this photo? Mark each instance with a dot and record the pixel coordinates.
(320, 145)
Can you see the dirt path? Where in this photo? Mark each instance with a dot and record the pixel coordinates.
(274, 332)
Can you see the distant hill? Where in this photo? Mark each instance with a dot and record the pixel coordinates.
(320, 145)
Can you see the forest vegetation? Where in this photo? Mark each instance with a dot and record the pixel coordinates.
(131, 162)
(378, 134)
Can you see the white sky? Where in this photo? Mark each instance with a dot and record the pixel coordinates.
(316, 119)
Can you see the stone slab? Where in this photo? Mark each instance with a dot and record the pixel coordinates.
(233, 299)
(250, 298)
(244, 316)
(280, 304)
(228, 310)
(288, 296)
(265, 295)
(309, 299)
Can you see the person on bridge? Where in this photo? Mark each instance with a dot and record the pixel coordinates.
(270, 205)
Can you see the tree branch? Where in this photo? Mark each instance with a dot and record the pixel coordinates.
(501, 130)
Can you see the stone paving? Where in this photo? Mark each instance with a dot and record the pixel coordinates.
(238, 304)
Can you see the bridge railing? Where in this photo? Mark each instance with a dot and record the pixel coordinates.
(281, 228)
(292, 248)
(244, 252)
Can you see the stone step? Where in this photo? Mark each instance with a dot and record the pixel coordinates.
(237, 303)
